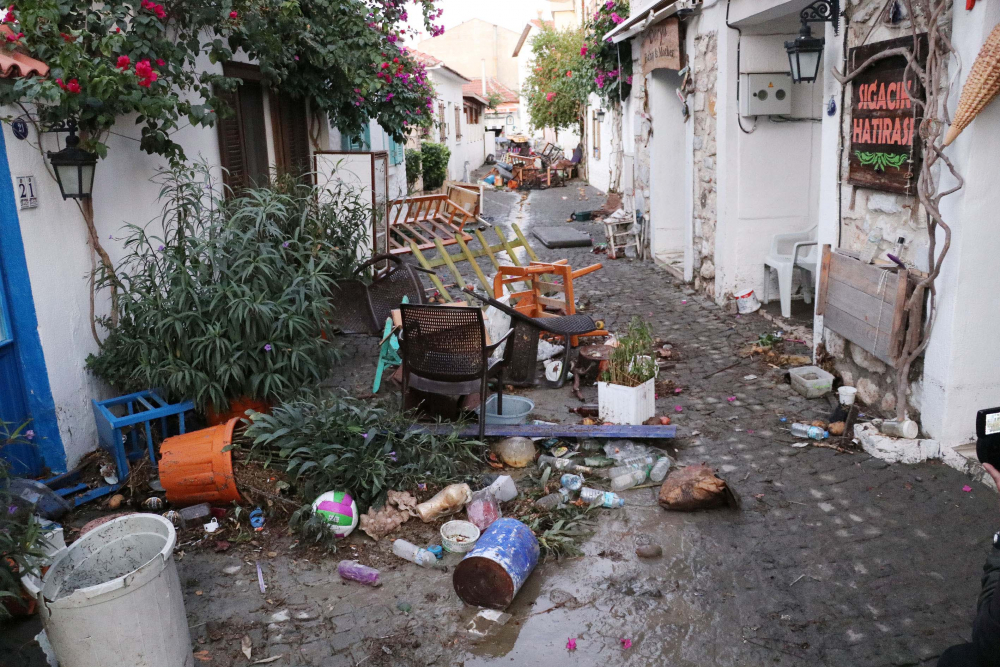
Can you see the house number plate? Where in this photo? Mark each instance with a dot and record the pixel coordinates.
(26, 192)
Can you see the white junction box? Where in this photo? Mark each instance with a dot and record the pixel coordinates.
(768, 94)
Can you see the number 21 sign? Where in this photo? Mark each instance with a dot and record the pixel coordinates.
(26, 191)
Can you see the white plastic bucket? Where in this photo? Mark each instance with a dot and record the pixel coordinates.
(618, 404)
(847, 395)
(113, 597)
(746, 302)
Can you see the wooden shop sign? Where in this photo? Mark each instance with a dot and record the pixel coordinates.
(661, 46)
(885, 142)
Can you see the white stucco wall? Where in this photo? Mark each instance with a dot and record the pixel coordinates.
(448, 91)
(598, 169)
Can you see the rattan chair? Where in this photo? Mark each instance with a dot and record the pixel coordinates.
(566, 326)
(362, 308)
(444, 351)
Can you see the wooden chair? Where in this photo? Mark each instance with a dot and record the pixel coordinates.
(444, 352)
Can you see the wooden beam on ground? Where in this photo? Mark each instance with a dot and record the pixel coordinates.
(475, 265)
(524, 242)
(508, 247)
(434, 279)
(451, 264)
(488, 250)
(555, 431)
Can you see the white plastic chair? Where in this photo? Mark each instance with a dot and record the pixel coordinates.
(797, 249)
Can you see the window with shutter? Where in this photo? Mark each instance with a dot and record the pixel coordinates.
(396, 152)
(290, 122)
(362, 142)
(458, 123)
(444, 126)
(243, 135)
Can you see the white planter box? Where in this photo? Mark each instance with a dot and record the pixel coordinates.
(618, 404)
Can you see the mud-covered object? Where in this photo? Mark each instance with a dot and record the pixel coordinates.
(696, 488)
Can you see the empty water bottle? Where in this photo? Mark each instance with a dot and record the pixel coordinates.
(639, 461)
(807, 431)
(660, 469)
(413, 553)
(355, 571)
(571, 482)
(565, 465)
(628, 480)
(604, 498)
(553, 500)
(619, 471)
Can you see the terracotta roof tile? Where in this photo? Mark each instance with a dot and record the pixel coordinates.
(15, 64)
(475, 87)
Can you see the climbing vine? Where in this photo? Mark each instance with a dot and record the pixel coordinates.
(610, 64)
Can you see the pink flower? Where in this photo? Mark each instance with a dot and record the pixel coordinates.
(583, 50)
(569, 73)
(549, 97)
(609, 4)
(617, 19)
(731, 399)
(678, 390)
(570, 644)
(389, 96)
(233, 14)
(9, 16)
(160, 62)
(678, 408)
(29, 434)
(73, 86)
(967, 488)
(124, 63)
(626, 644)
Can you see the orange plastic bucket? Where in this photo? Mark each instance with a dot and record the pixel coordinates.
(194, 469)
(237, 408)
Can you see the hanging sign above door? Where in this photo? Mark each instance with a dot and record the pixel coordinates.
(884, 124)
(661, 46)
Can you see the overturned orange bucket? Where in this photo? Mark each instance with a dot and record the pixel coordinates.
(195, 469)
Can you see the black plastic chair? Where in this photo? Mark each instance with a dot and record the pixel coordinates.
(362, 308)
(444, 351)
(560, 325)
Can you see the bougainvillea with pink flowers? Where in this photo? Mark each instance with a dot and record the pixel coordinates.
(558, 84)
(610, 68)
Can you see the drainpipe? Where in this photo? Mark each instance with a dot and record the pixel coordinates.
(484, 77)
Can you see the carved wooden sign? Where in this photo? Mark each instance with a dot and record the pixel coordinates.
(661, 46)
(885, 145)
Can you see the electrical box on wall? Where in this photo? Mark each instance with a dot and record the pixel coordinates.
(768, 94)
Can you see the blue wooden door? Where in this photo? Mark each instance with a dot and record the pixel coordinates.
(14, 413)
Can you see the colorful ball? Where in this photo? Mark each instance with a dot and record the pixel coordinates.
(338, 510)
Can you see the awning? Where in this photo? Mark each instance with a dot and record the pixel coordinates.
(658, 11)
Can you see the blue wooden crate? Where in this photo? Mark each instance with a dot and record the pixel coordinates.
(142, 408)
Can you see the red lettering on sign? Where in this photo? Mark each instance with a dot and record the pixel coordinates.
(892, 95)
(858, 128)
(897, 136)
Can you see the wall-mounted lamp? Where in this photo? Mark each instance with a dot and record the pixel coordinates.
(74, 166)
(600, 115)
(804, 51)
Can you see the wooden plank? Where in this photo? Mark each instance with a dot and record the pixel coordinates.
(824, 278)
(524, 242)
(434, 279)
(552, 287)
(866, 278)
(872, 310)
(556, 431)
(899, 314)
(451, 264)
(488, 250)
(857, 332)
(553, 303)
(475, 266)
(507, 247)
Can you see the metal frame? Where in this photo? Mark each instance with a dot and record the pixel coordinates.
(373, 155)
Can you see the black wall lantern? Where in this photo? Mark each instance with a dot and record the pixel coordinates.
(600, 115)
(74, 166)
(805, 51)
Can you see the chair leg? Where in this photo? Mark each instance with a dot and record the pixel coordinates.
(500, 391)
(807, 284)
(482, 410)
(785, 290)
(561, 380)
(767, 284)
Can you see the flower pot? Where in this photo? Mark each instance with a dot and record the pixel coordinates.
(17, 607)
(618, 404)
(237, 408)
(195, 469)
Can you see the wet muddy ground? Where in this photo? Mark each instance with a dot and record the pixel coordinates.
(834, 559)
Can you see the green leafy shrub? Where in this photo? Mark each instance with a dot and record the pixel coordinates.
(232, 298)
(414, 162)
(333, 442)
(435, 164)
(20, 535)
(630, 363)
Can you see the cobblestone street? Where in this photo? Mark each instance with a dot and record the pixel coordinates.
(835, 559)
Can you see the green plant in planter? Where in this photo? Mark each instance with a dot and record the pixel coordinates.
(414, 166)
(631, 363)
(229, 299)
(435, 164)
(333, 442)
(20, 539)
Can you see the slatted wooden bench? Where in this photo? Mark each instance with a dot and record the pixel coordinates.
(425, 221)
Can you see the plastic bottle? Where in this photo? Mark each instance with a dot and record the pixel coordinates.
(449, 500)
(807, 431)
(355, 571)
(483, 509)
(619, 471)
(660, 469)
(900, 429)
(628, 480)
(605, 498)
(639, 461)
(553, 500)
(413, 553)
(571, 482)
(561, 464)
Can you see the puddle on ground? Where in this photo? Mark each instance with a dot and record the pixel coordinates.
(601, 599)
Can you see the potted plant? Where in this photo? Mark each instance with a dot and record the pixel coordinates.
(626, 393)
(20, 538)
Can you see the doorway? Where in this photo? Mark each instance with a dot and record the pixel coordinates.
(669, 206)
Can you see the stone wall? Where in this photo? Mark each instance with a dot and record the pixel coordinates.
(864, 211)
(705, 217)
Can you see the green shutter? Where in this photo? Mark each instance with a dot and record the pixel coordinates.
(395, 151)
(357, 143)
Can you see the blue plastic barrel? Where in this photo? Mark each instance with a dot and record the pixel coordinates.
(493, 572)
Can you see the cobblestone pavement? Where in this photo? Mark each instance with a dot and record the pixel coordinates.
(835, 559)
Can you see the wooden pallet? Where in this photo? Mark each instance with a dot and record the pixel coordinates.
(469, 253)
(424, 221)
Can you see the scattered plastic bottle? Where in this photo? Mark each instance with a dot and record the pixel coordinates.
(628, 480)
(598, 461)
(437, 550)
(449, 500)
(811, 432)
(660, 469)
(413, 553)
(564, 465)
(483, 509)
(639, 461)
(620, 471)
(553, 500)
(355, 571)
(604, 498)
(571, 482)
